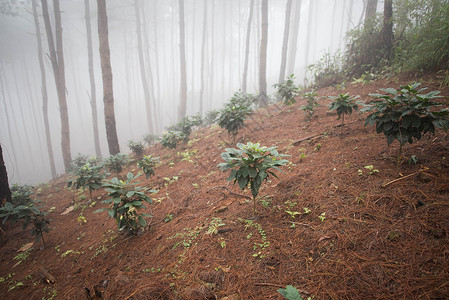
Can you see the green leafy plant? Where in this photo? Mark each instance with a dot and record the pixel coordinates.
(250, 165)
(406, 114)
(312, 102)
(232, 117)
(151, 139)
(344, 104)
(170, 139)
(214, 224)
(287, 90)
(322, 216)
(290, 293)
(87, 176)
(28, 214)
(115, 163)
(211, 117)
(147, 164)
(136, 147)
(328, 70)
(126, 199)
(21, 194)
(185, 127)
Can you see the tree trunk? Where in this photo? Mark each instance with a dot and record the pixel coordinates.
(5, 192)
(57, 61)
(387, 28)
(309, 34)
(203, 51)
(106, 70)
(8, 122)
(154, 115)
(263, 55)
(146, 91)
(371, 9)
(182, 45)
(248, 39)
(93, 94)
(288, 12)
(294, 42)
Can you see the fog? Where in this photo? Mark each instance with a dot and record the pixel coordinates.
(22, 133)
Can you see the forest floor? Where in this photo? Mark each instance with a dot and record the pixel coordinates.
(322, 227)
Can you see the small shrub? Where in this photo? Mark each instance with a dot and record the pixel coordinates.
(89, 176)
(185, 126)
(328, 70)
(136, 148)
(151, 139)
(344, 104)
(170, 139)
(312, 102)
(406, 114)
(211, 117)
(21, 194)
(287, 90)
(126, 199)
(115, 163)
(147, 164)
(28, 214)
(233, 115)
(250, 165)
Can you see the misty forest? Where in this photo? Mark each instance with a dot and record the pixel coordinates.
(224, 149)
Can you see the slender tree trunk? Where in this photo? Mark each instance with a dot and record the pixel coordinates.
(149, 68)
(203, 50)
(387, 28)
(263, 55)
(248, 39)
(309, 34)
(19, 105)
(57, 61)
(288, 12)
(156, 67)
(182, 45)
(108, 91)
(294, 42)
(8, 122)
(349, 23)
(341, 33)
(143, 75)
(5, 192)
(93, 93)
(371, 8)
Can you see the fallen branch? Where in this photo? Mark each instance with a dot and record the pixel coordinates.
(312, 137)
(405, 177)
(229, 190)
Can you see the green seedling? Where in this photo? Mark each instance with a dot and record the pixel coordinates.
(250, 165)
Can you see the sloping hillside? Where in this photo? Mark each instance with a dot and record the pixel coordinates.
(325, 227)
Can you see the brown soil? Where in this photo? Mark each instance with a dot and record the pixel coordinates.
(373, 242)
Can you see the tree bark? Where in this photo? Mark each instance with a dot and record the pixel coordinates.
(182, 45)
(294, 42)
(57, 61)
(309, 33)
(5, 192)
(371, 9)
(288, 12)
(146, 91)
(203, 54)
(108, 91)
(387, 28)
(93, 94)
(149, 68)
(263, 55)
(248, 39)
